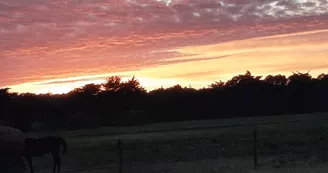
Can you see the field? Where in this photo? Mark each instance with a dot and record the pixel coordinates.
(285, 144)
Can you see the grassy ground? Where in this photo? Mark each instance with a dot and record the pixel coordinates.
(203, 146)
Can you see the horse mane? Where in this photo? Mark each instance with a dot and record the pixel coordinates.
(64, 143)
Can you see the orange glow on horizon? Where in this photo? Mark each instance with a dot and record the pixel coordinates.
(277, 54)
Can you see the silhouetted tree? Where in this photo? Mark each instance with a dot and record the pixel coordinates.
(321, 93)
(300, 80)
(112, 83)
(323, 79)
(243, 80)
(131, 86)
(6, 106)
(175, 89)
(117, 102)
(277, 80)
(217, 85)
(91, 89)
(4, 92)
(300, 92)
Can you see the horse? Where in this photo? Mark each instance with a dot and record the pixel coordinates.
(38, 147)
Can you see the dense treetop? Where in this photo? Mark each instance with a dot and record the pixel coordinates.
(127, 103)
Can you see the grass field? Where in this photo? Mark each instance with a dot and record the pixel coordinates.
(198, 146)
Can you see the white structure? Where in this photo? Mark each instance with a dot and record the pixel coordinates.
(11, 145)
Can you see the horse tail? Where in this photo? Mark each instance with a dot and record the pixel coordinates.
(63, 142)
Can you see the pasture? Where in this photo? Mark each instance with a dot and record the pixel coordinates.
(285, 144)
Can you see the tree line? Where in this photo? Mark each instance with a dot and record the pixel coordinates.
(127, 103)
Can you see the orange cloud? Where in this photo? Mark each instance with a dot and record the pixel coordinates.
(262, 56)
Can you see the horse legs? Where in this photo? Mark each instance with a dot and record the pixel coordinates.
(57, 162)
(29, 161)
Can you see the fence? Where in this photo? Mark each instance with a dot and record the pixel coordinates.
(266, 147)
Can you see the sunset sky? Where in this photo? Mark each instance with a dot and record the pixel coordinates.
(57, 45)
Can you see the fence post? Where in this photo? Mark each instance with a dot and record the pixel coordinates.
(255, 148)
(120, 160)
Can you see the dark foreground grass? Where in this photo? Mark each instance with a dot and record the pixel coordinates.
(282, 143)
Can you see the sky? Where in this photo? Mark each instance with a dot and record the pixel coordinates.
(57, 45)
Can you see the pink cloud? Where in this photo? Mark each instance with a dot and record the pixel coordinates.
(66, 37)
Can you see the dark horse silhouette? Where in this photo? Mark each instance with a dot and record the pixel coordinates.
(38, 147)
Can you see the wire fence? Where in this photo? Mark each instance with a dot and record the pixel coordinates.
(280, 146)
